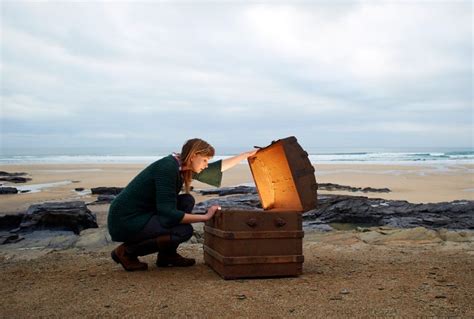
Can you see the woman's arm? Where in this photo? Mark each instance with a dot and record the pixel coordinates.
(232, 161)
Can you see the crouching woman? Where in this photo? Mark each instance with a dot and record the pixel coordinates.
(150, 215)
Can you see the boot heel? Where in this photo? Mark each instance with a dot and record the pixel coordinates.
(114, 257)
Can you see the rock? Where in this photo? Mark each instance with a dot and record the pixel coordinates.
(2, 173)
(366, 212)
(62, 241)
(337, 297)
(224, 191)
(79, 189)
(106, 190)
(337, 187)
(14, 179)
(103, 199)
(420, 235)
(456, 235)
(344, 291)
(8, 222)
(74, 216)
(244, 202)
(198, 234)
(314, 225)
(8, 190)
(395, 213)
(8, 239)
(40, 242)
(94, 238)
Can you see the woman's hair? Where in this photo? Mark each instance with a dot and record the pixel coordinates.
(192, 147)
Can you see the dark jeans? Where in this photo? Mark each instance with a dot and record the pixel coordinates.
(179, 233)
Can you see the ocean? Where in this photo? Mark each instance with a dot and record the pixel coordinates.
(382, 156)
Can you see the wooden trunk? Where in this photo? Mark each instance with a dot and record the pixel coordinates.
(268, 242)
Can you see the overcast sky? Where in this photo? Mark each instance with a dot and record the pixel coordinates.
(334, 74)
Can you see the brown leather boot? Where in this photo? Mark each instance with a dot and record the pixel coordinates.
(173, 260)
(128, 261)
(168, 257)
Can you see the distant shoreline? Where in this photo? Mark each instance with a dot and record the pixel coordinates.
(383, 158)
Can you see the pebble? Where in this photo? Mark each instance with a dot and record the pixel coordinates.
(336, 298)
(344, 291)
(241, 297)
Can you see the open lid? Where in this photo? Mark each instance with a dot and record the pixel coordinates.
(284, 176)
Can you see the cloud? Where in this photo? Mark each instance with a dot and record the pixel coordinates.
(257, 71)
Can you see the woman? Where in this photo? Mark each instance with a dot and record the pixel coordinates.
(150, 215)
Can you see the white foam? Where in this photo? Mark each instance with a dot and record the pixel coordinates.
(36, 188)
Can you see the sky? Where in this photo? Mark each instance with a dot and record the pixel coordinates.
(145, 75)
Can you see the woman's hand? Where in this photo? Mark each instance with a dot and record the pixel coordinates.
(200, 218)
(250, 153)
(211, 211)
(232, 161)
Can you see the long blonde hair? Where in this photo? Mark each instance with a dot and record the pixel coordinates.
(193, 147)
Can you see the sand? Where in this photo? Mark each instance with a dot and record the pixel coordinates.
(346, 273)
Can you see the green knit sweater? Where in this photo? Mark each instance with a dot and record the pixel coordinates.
(153, 191)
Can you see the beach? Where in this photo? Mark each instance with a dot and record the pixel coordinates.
(346, 273)
(414, 183)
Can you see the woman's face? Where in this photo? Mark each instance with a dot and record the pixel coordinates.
(199, 163)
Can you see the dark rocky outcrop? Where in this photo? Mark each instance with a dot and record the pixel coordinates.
(73, 216)
(2, 173)
(225, 191)
(106, 190)
(366, 211)
(8, 190)
(458, 214)
(14, 179)
(337, 187)
(244, 202)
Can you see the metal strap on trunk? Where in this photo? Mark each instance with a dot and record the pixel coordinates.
(253, 234)
(253, 259)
